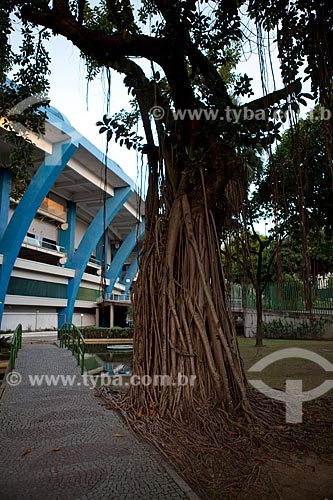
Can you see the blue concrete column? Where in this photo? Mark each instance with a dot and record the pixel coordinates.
(25, 211)
(103, 242)
(88, 243)
(61, 317)
(5, 189)
(130, 274)
(67, 236)
(122, 255)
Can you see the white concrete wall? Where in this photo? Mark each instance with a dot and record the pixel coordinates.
(45, 319)
(42, 228)
(88, 318)
(22, 309)
(297, 318)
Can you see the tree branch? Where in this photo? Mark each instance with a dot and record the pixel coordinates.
(274, 97)
(93, 42)
(211, 76)
(61, 6)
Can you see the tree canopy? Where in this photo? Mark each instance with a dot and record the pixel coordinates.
(301, 160)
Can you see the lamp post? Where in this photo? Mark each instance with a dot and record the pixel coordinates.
(81, 319)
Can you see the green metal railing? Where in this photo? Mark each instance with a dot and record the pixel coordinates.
(15, 346)
(291, 297)
(71, 337)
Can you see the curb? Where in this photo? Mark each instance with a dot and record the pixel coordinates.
(163, 462)
(4, 382)
(191, 495)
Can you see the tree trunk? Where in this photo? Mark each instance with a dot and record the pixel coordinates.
(244, 295)
(183, 326)
(259, 336)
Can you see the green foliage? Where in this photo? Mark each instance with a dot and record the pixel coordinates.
(303, 26)
(301, 157)
(5, 343)
(244, 260)
(195, 67)
(30, 71)
(116, 332)
(301, 169)
(278, 329)
(121, 125)
(6, 55)
(243, 86)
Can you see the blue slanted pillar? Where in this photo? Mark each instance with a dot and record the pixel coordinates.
(123, 253)
(130, 274)
(102, 250)
(61, 317)
(89, 242)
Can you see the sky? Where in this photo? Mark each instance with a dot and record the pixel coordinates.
(84, 106)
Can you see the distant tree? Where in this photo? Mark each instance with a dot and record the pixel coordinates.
(300, 161)
(303, 199)
(249, 257)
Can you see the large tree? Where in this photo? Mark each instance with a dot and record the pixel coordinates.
(182, 321)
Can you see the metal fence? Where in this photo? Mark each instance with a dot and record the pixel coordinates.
(290, 297)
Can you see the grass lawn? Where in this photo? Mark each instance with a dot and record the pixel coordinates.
(294, 369)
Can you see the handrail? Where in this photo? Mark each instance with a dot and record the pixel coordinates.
(46, 245)
(121, 297)
(70, 336)
(15, 346)
(93, 260)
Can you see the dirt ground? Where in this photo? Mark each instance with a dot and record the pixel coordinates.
(295, 466)
(280, 461)
(294, 462)
(303, 478)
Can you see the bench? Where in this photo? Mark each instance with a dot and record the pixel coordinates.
(108, 341)
(3, 366)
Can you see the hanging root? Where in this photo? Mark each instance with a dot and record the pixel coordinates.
(182, 324)
(214, 427)
(185, 342)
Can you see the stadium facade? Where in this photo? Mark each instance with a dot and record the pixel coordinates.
(69, 246)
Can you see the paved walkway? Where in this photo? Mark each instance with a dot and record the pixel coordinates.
(58, 443)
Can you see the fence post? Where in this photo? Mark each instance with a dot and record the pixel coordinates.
(82, 360)
(73, 337)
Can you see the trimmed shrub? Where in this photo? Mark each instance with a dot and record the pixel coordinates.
(278, 329)
(116, 332)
